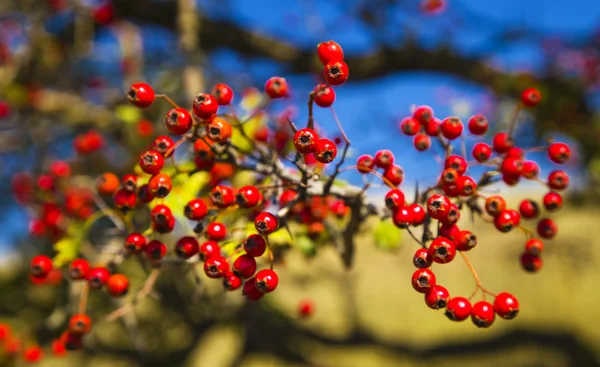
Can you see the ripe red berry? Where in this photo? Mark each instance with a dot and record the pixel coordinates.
(178, 121)
(529, 209)
(534, 247)
(394, 199)
(244, 266)
(552, 201)
(97, 277)
(325, 150)
(449, 176)
(151, 162)
(531, 97)
(449, 231)
(125, 199)
(421, 142)
(218, 130)
(129, 182)
(512, 167)
(482, 314)
(530, 170)
(384, 158)
(80, 324)
(433, 127)
(559, 152)
(306, 308)
(457, 162)
(265, 223)
(135, 242)
(71, 341)
(336, 72)
(465, 240)
(140, 95)
(531, 263)
(410, 126)
(452, 128)
(506, 220)
(160, 185)
(222, 196)
(216, 231)
(546, 228)
(222, 93)
(558, 180)
(33, 354)
(251, 291)
(394, 174)
(466, 186)
(107, 183)
(482, 152)
(209, 249)
(506, 306)
(205, 106)
(421, 259)
(329, 51)
(248, 197)
(438, 206)
(324, 96)
(402, 217)
(40, 266)
(437, 297)
(117, 285)
(231, 281)
(266, 280)
(442, 250)
(276, 87)
(78, 269)
(478, 125)
(216, 267)
(187, 247)
(494, 205)
(458, 309)
(155, 250)
(305, 140)
(255, 245)
(502, 142)
(195, 210)
(58, 348)
(423, 114)
(365, 163)
(418, 214)
(423, 280)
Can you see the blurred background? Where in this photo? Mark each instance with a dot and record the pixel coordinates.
(64, 67)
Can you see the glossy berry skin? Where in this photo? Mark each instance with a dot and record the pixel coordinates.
(78, 269)
(187, 247)
(457, 162)
(449, 231)
(195, 210)
(512, 166)
(178, 121)
(324, 96)
(117, 285)
(552, 201)
(384, 158)
(250, 290)
(438, 206)
(394, 199)
(216, 231)
(394, 175)
(531, 97)
(559, 152)
(216, 267)
(155, 250)
(365, 163)
(266, 280)
(453, 215)
(265, 223)
(546, 228)
(134, 243)
(276, 87)
(222, 93)
(506, 220)
(125, 199)
(466, 186)
(222, 196)
(218, 130)
(534, 247)
(151, 162)
(205, 106)
(248, 197)
(494, 205)
(465, 241)
(410, 126)
(442, 250)
(530, 170)
(336, 72)
(305, 140)
(107, 183)
(209, 249)
(502, 142)
(40, 266)
(422, 142)
(329, 51)
(423, 114)
(423, 280)
(452, 128)
(402, 217)
(97, 277)
(140, 95)
(531, 263)
(529, 209)
(421, 259)
(482, 152)
(255, 245)
(433, 127)
(478, 125)
(244, 266)
(418, 214)
(231, 281)
(458, 309)
(160, 185)
(437, 297)
(558, 180)
(80, 324)
(482, 314)
(325, 150)
(506, 306)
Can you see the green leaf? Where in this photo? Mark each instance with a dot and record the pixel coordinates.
(128, 114)
(387, 235)
(67, 248)
(306, 246)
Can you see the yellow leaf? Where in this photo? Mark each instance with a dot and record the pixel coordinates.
(67, 248)
(128, 114)
(185, 188)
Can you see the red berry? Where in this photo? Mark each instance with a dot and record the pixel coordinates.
(60, 169)
(506, 220)
(78, 269)
(438, 206)
(276, 87)
(216, 267)
(209, 249)
(433, 127)
(58, 348)
(329, 51)
(482, 152)
(265, 223)
(324, 96)
(531, 97)
(502, 142)
(421, 142)
(336, 72)
(465, 240)
(506, 306)
(125, 199)
(515, 152)
(466, 186)
(107, 183)
(423, 114)
(244, 266)
(452, 128)
(71, 341)
(530, 170)
(160, 185)
(248, 197)
(140, 95)
(437, 297)
(205, 106)
(449, 231)
(216, 231)
(423, 280)
(558, 180)
(40, 266)
(546, 228)
(130, 182)
(552, 201)
(187, 247)
(534, 247)
(512, 167)
(402, 217)
(478, 125)
(222, 196)
(384, 158)
(33, 354)
(421, 259)
(325, 150)
(306, 308)
(117, 285)
(410, 126)
(97, 277)
(531, 263)
(365, 163)
(529, 209)
(482, 314)
(266, 280)
(231, 282)
(394, 174)
(494, 205)
(394, 199)
(559, 152)
(457, 162)
(222, 93)
(442, 250)
(151, 162)
(196, 209)
(135, 242)
(418, 214)
(251, 291)
(155, 250)
(178, 121)
(218, 130)
(305, 140)
(255, 245)
(458, 309)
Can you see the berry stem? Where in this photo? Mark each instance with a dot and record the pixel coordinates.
(177, 143)
(83, 297)
(292, 125)
(415, 238)
(257, 111)
(166, 98)
(270, 249)
(143, 292)
(478, 285)
(513, 119)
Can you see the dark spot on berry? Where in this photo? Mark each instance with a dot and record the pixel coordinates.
(148, 159)
(440, 304)
(173, 117)
(200, 98)
(436, 204)
(511, 315)
(216, 196)
(334, 71)
(240, 199)
(420, 263)
(162, 192)
(423, 281)
(131, 94)
(327, 156)
(261, 226)
(199, 228)
(443, 251)
(449, 314)
(215, 131)
(305, 139)
(389, 202)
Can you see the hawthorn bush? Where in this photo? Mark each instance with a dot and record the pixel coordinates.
(213, 197)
